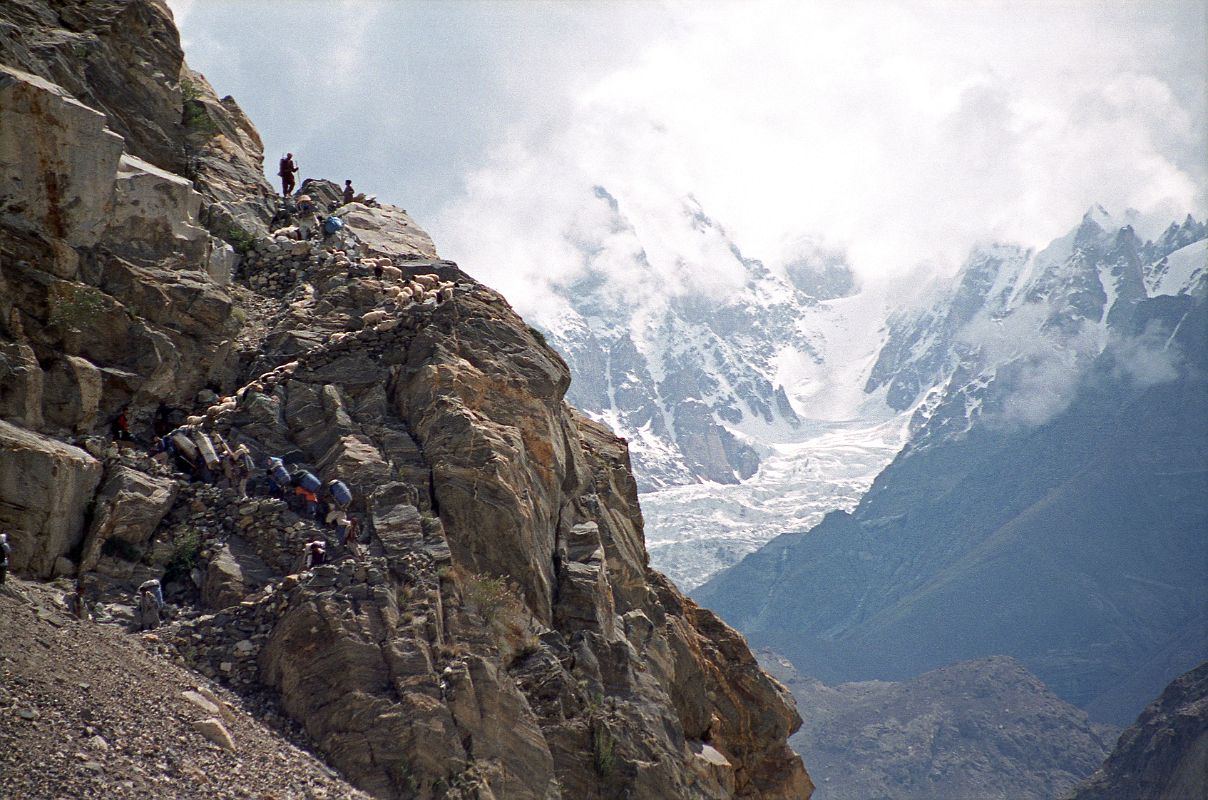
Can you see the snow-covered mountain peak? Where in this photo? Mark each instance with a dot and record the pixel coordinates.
(730, 371)
(687, 346)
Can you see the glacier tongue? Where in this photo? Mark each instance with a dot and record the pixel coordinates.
(695, 531)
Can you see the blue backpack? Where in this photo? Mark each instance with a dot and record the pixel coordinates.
(332, 225)
(278, 471)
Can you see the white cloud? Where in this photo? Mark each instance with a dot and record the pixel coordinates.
(1040, 369)
(1149, 358)
(903, 133)
(180, 10)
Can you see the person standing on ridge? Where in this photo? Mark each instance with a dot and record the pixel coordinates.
(287, 171)
(349, 192)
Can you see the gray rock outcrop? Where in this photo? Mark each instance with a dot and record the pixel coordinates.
(46, 487)
(1164, 755)
(127, 509)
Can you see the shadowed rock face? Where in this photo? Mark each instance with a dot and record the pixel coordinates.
(985, 728)
(1164, 755)
(501, 635)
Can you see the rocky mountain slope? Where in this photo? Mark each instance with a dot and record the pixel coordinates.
(91, 711)
(502, 634)
(1164, 755)
(1049, 501)
(983, 729)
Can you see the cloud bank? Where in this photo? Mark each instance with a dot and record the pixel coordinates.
(903, 134)
(900, 132)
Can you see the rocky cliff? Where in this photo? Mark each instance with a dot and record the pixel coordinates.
(1164, 755)
(501, 634)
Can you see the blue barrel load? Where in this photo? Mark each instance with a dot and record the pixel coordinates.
(308, 481)
(341, 492)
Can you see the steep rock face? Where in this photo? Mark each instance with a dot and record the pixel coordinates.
(59, 159)
(430, 641)
(124, 59)
(501, 634)
(105, 281)
(1164, 755)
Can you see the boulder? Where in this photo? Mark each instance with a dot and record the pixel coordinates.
(221, 263)
(128, 509)
(57, 159)
(45, 489)
(387, 231)
(234, 571)
(155, 214)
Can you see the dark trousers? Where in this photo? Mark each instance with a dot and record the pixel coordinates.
(287, 185)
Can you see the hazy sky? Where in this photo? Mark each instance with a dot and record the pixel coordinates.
(901, 131)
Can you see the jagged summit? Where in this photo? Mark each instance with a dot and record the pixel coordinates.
(499, 632)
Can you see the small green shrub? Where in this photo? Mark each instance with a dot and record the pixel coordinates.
(487, 595)
(75, 306)
(502, 607)
(241, 240)
(193, 113)
(538, 335)
(185, 549)
(189, 89)
(603, 748)
(429, 523)
(197, 120)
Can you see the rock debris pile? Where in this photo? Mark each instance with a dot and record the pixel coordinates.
(89, 711)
